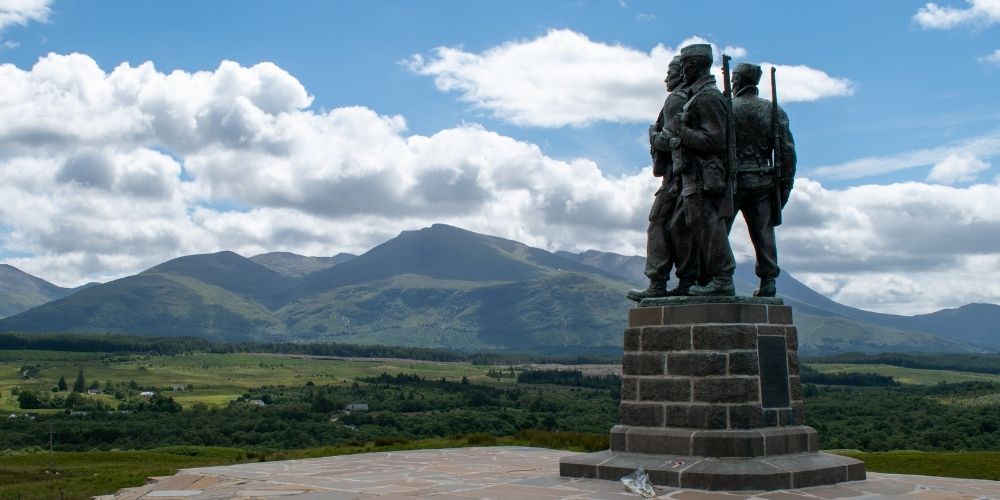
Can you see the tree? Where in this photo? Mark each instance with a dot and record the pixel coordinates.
(28, 400)
(81, 383)
(62, 384)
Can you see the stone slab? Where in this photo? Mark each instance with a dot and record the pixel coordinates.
(739, 299)
(484, 472)
(719, 474)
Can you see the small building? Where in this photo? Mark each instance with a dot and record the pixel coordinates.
(257, 402)
(93, 391)
(179, 388)
(147, 394)
(78, 413)
(12, 415)
(356, 407)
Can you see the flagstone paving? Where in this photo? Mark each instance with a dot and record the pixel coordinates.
(493, 472)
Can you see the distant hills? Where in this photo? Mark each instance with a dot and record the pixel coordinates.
(438, 287)
(20, 291)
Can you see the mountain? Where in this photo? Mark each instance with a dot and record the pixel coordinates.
(826, 326)
(297, 266)
(443, 286)
(20, 291)
(447, 287)
(218, 296)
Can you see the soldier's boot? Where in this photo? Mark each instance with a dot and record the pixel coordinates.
(655, 289)
(766, 288)
(717, 287)
(682, 289)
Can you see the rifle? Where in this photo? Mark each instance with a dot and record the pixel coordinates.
(775, 153)
(726, 208)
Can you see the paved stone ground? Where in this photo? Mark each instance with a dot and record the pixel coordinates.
(496, 472)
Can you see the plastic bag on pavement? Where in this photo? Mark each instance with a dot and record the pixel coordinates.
(638, 482)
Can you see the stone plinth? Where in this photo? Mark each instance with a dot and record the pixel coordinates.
(711, 399)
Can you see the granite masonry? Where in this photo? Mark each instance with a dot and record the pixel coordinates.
(711, 399)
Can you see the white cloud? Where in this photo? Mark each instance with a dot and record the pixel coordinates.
(23, 11)
(983, 146)
(957, 168)
(104, 174)
(903, 248)
(564, 78)
(979, 13)
(991, 58)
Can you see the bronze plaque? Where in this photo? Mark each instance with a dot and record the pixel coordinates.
(772, 353)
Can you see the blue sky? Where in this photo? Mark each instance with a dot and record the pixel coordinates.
(891, 105)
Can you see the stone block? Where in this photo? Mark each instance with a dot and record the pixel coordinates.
(619, 465)
(718, 444)
(735, 475)
(769, 418)
(779, 315)
(792, 338)
(659, 441)
(696, 416)
(774, 330)
(666, 338)
(798, 414)
(645, 316)
(642, 364)
(746, 416)
(696, 364)
(619, 437)
(727, 390)
(743, 363)
(630, 389)
(814, 469)
(644, 415)
(723, 337)
(693, 314)
(795, 388)
(583, 465)
(631, 340)
(669, 389)
(753, 313)
(793, 363)
(787, 440)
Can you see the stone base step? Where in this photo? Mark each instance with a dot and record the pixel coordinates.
(800, 470)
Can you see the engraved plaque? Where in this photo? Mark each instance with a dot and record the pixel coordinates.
(771, 352)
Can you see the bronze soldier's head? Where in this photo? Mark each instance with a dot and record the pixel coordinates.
(675, 78)
(746, 76)
(696, 61)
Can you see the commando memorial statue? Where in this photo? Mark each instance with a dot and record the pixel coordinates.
(711, 396)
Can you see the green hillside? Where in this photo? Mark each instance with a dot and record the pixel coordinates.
(154, 303)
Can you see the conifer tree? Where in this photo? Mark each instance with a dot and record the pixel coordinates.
(81, 384)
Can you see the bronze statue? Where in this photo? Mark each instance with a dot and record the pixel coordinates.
(765, 171)
(660, 254)
(699, 221)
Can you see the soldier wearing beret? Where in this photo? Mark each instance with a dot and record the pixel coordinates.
(701, 134)
(756, 195)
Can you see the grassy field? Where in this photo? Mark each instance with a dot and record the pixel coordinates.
(216, 378)
(972, 464)
(908, 375)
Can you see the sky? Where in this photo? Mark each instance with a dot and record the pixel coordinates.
(135, 132)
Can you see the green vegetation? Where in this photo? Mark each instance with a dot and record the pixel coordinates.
(912, 376)
(976, 363)
(972, 464)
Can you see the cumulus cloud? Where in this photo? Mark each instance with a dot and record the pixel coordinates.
(564, 78)
(105, 173)
(978, 13)
(991, 58)
(22, 12)
(957, 168)
(982, 146)
(903, 248)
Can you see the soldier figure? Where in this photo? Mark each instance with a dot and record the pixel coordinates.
(697, 224)
(660, 256)
(756, 194)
